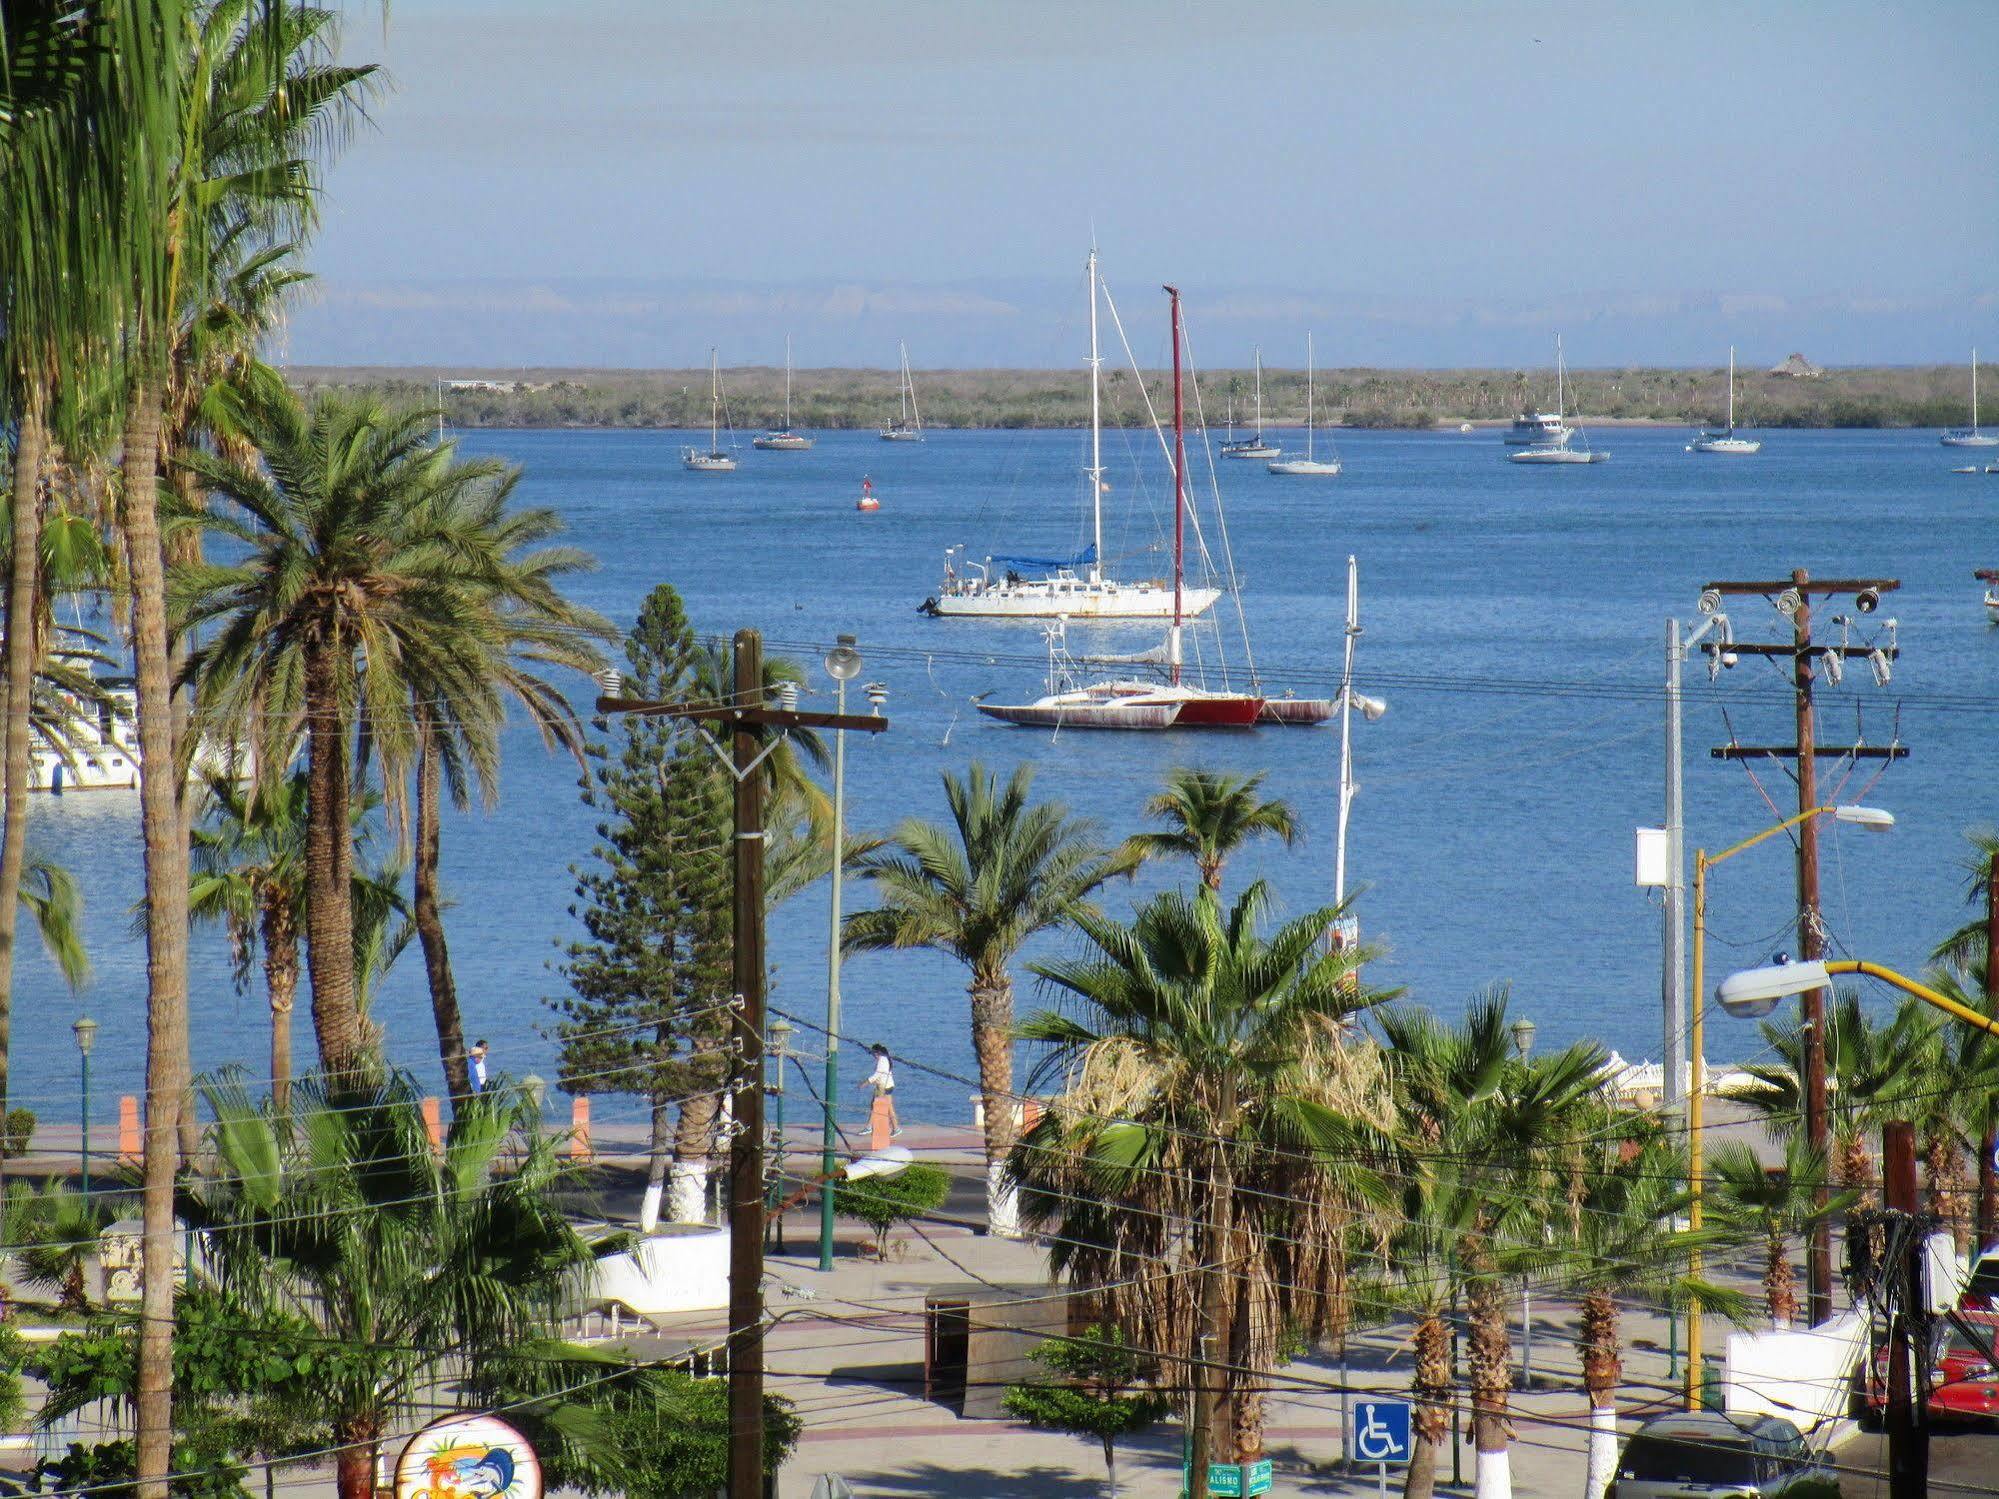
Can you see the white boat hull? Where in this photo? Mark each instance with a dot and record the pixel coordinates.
(1968, 440)
(1066, 712)
(1070, 601)
(782, 443)
(707, 463)
(1317, 468)
(1737, 446)
(1251, 450)
(888, 435)
(1992, 605)
(1553, 454)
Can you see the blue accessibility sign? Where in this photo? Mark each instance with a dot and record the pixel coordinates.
(1381, 1432)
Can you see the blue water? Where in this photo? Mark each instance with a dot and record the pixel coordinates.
(1493, 832)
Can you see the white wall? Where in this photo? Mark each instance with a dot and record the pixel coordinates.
(1805, 1377)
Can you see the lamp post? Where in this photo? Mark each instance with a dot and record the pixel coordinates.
(86, 1038)
(780, 1047)
(1867, 817)
(1523, 1042)
(1754, 992)
(843, 664)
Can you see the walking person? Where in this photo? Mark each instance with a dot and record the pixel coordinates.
(478, 1058)
(882, 1080)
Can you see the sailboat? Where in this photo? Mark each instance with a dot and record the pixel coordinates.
(715, 460)
(908, 427)
(1070, 587)
(1560, 449)
(1254, 446)
(1989, 576)
(1708, 440)
(1308, 465)
(783, 440)
(1970, 437)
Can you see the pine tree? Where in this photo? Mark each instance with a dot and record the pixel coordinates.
(645, 1015)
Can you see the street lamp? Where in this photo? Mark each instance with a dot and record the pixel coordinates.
(1754, 992)
(843, 664)
(780, 1046)
(86, 1038)
(1875, 820)
(1523, 1037)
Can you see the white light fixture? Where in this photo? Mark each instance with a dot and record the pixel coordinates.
(843, 662)
(1754, 992)
(1876, 818)
(884, 1162)
(1371, 708)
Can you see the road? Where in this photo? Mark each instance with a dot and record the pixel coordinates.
(1961, 1462)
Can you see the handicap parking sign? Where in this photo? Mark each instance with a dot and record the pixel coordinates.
(1380, 1432)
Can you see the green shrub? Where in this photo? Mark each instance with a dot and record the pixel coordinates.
(881, 1202)
(16, 1131)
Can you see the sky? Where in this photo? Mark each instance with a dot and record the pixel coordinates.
(1420, 183)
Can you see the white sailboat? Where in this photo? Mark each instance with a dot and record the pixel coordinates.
(1308, 465)
(1709, 440)
(1989, 576)
(1073, 587)
(784, 440)
(1254, 446)
(1563, 449)
(1970, 437)
(716, 460)
(908, 427)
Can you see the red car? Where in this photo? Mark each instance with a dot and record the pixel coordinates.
(1963, 1382)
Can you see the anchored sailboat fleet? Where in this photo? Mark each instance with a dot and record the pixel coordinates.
(1707, 440)
(1970, 437)
(1308, 465)
(1077, 587)
(1563, 448)
(908, 426)
(715, 460)
(784, 440)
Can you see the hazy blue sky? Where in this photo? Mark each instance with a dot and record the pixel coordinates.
(1423, 183)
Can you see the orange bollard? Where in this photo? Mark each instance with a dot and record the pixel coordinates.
(1030, 1114)
(128, 1129)
(579, 1129)
(433, 1123)
(880, 1125)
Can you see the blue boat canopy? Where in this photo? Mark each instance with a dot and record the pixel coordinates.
(1082, 559)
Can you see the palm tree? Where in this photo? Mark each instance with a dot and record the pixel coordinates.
(1871, 1068)
(417, 1265)
(1006, 869)
(1956, 1102)
(1209, 815)
(1971, 948)
(53, 1233)
(1197, 1170)
(528, 625)
(1494, 1149)
(1778, 1205)
(350, 594)
(249, 874)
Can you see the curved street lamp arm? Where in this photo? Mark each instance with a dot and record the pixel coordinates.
(1927, 995)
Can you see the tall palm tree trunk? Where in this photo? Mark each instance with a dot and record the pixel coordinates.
(429, 919)
(280, 934)
(1431, 1418)
(1602, 1371)
(185, 549)
(354, 1463)
(992, 1041)
(166, 937)
(693, 1146)
(1491, 1356)
(1211, 1344)
(329, 915)
(29, 447)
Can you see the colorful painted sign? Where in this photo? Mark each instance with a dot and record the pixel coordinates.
(468, 1457)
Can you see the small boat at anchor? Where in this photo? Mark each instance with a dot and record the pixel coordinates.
(1309, 466)
(1256, 445)
(1970, 437)
(1989, 576)
(1572, 446)
(1723, 440)
(783, 439)
(716, 460)
(908, 426)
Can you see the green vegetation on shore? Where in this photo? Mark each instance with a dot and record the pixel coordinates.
(835, 399)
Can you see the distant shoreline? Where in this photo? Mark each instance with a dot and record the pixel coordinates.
(1004, 399)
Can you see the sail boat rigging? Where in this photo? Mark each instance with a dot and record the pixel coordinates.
(1255, 445)
(908, 426)
(1077, 587)
(1308, 465)
(783, 439)
(1565, 448)
(715, 460)
(1970, 437)
(1708, 440)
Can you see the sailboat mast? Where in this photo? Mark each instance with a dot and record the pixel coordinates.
(1259, 392)
(787, 382)
(1974, 392)
(714, 401)
(903, 350)
(1559, 406)
(1096, 438)
(1346, 734)
(1308, 397)
(1179, 492)
(1731, 390)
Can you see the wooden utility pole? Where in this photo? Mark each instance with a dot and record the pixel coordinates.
(1907, 1420)
(745, 712)
(1794, 597)
(1988, 1143)
(746, 1140)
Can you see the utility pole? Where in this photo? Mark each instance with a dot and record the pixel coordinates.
(1673, 970)
(1988, 1145)
(745, 713)
(1792, 598)
(1907, 1420)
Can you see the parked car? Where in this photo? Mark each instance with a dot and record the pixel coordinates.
(1963, 1382)
(1713, 1456)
